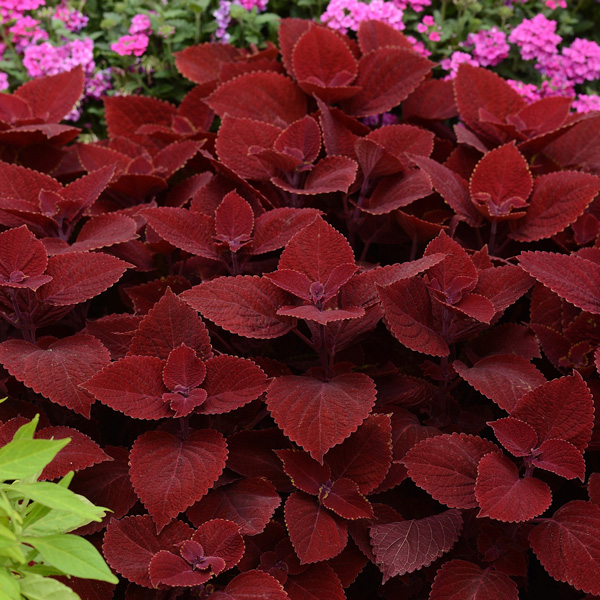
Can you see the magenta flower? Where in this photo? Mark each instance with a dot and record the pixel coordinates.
(128, 45)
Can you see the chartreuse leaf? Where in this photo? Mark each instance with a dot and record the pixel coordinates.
(55, 496)
(73, 555)
(9, 586)
(23, 458)
(25, 432)
(10, 546)
(36, 587)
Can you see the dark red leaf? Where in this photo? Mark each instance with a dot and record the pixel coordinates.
(130, 544)
(445, 466)
(301, 139)
(387, 76)
(519, 438)
(344, 498)
(318, 581)
(504, 496)
(305, 472)
(170, 323)
(561, 458)
(407, 546)
(275, 228)
(462, 580)
(231, 382)
(23, 259)
(183, 368)
(408, 315)
(220, 538)
(365, 456)
(252, 585)
(373, 34)
(503, 378)
(169, 474)
(396, 192)
(52, 97)
(202, 63)
(80, 276)
(234, 221)
(188, 230)
(503, 286)
(126, 114)
(249, 503)
(575, 279)
(568, 545)
(81, 452)
(316, 533)
(244, 305)
(57, 370)
(133, 386)
(318, 415)
(166, 568)
(560, 409)
(262, 96)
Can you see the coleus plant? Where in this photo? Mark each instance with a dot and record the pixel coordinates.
(303, 356)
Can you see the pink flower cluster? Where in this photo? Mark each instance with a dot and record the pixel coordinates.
(3, 82)
(489, 47)
(536, 38)
(429, 27)
(344, 15)
(416, 5)
(136, 42)
(73, 19)
(26, 31)
(454, 61)
(553, 4)
(14, 9)
(585, 103)
(46, 59)
(261, 5)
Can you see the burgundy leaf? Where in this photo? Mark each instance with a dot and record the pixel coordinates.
(183, 368)
(234, 221)
(462, 580)
(568, 545)
(344, 498)
(130, 544)
(445, 467)
(218, 538)
(387, 76)
(516, 436)
(23, 259)
(407, 546)
(305, 472)
(104, 230)
(573, 278)
(188, 230)
(252, 585)
(133, 386)
(557, 201)
(318, 415)
(365, 456)
(561, 458)
(504, 496)
(170, 474)
(316, 533)
(503, 378)
(275, 228)
(166, 568)
(407, 309)
(81, 452)
(57, 370)
(268, 97)
(318, 581)
(231, 382)
(560, 409)
(244, 305)
(249, 503)
(80, 276)
(302, 139)
(170, 323)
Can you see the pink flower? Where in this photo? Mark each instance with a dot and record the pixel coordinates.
(455, 60)
(552, 4)
(490, 47)
(528, 91)
(536, 38)
(128, 45)
(3, 82)
(418, 46)
(585, 103)
(73, 19)
(344, 15)
(26, 31)
(140, 24)
(435, 36)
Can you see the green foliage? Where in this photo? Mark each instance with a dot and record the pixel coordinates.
(35, 517)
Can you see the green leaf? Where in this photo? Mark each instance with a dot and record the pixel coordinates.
(52, 522)
(9, 586)
(25, 432)
(73, 555)
(23, 458)
(54, 496)
(36, 587)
